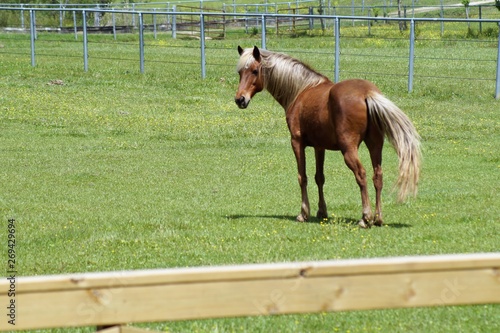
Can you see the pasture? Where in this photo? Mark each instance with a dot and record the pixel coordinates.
(116, 170)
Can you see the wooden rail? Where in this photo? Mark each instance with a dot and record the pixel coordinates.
(114, 298)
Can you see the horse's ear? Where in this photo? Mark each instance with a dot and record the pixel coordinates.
(240, 50)
(256, 53)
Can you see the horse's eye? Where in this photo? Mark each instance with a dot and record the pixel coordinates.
(255, 72)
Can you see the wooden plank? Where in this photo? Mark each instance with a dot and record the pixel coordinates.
(249, 298)
(257, 271)
(258, 290)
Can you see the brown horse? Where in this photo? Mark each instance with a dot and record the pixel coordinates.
(332, 116)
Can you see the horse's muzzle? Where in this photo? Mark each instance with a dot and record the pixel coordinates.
(242, 102)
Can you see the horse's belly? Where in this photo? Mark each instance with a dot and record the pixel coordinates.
(320, 139)
(318, 130)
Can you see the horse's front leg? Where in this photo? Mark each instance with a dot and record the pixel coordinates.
(320, 181)
(300, 156)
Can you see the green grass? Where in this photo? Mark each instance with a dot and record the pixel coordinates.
(120, 170)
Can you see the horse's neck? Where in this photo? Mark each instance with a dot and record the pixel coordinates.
(284, 90)
(286, 84)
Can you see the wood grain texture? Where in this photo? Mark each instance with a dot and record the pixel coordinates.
(250, 290)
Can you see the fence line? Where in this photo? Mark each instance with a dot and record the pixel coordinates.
(204, 17)
(328, 6)
(303, 7)
(110, 298)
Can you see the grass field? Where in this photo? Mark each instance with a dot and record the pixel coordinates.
(119, 170)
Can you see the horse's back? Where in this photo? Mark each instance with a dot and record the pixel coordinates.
(350, 90)
(331, 115)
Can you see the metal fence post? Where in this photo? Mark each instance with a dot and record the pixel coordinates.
(32, 36)
(85, 46)
(22, 16)
(497, 89)
(480, 17)
(75, 29)
(34, 25)
(311, 19)
(133, 16)
(61, 17)
(174, 22)
(369, 14)
(246, 20)
(141, 42)
(412, 56)
(97, 16)
(202, 40)
(154, 22)
(263, 22)
(113, 19)
(441, 15)
(337, 50)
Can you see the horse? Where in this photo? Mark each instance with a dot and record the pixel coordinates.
(333, 116)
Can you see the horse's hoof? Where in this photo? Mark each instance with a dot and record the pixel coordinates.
(321, 215)
(301, 218)
(377, 221)
(362, 224)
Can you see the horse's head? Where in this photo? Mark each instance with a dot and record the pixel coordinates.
(251, 81)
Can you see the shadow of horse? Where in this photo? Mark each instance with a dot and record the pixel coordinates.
(313, 220)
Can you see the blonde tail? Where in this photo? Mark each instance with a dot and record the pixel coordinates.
(403, 136)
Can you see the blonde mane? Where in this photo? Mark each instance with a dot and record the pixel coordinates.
(284, 77)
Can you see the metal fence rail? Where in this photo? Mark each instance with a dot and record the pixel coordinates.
(200, 20)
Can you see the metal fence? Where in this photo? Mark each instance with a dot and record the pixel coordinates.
(408, 8)
(302, 7)
(87, 21)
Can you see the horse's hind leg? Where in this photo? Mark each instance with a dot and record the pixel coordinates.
(320, 181)
(375, 143)
(351, 159)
